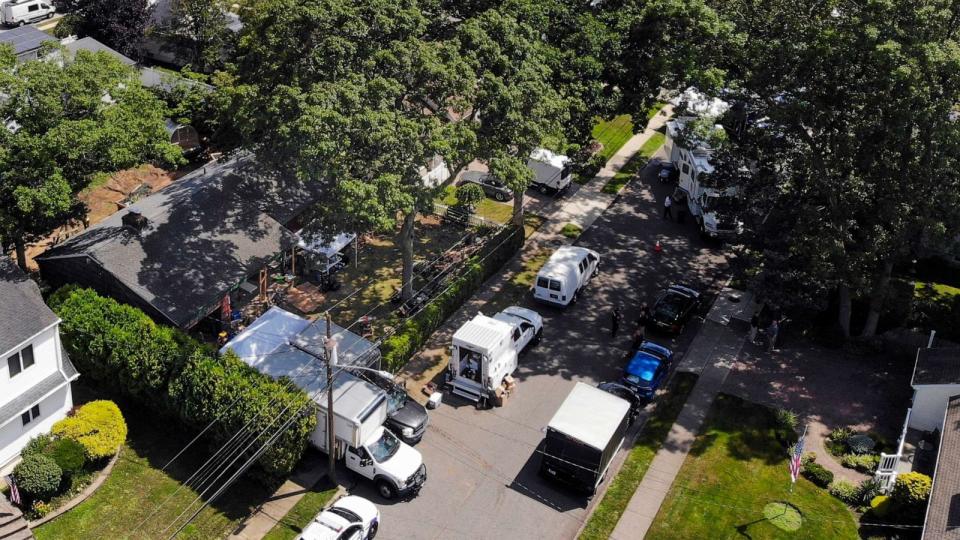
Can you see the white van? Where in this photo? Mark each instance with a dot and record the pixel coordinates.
(565, 274)
(19, 13)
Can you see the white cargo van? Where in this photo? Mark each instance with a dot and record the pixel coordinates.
(565, 274)
(26, 11)
(482, 356)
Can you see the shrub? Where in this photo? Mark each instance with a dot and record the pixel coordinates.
(414, 332)
(469, 195)
(845, 491)
(866, 463)
(861, 444)
(880, 505)
(39, 509)
(808, 457)
(787, 420)
(911, 489)
(36, 445)
(69, 455)
(867, 490)
(98, 426)
(817, 474)
(840, 434)
(38, 476)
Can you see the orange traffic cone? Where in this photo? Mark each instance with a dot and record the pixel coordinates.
(657, 248)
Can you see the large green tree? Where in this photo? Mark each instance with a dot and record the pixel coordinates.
(65, 122)
(118, 23)
(196, 31)
(858, 149)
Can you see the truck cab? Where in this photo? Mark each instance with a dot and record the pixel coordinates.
(527, 326)
(395, 467)
(483, 354)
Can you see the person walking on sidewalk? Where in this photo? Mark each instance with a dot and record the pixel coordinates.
(667, 211)
(615, 321)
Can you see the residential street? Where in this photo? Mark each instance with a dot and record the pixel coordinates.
(482, 465)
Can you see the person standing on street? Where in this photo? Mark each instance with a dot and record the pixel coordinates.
(615, 321)
(754, 327)
(667, 212)
(772, 332)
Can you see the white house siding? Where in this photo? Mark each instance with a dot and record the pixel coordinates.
(14, 435)
(46, 357)
(929, 402)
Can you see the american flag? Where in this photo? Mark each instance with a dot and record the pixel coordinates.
(795, 460)
(14, 492)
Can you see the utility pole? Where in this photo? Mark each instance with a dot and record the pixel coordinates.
(330, 346)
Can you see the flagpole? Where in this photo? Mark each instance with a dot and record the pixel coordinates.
(800, 458)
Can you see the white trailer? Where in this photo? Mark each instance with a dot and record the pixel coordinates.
(482, 357)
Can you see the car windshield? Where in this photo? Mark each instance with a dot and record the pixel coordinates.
(638, 381)
(345, 514)
(385, 447)
(396, 399)
(670, 306)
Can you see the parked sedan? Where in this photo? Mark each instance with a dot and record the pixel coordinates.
(627, 394)
(492, 187)
(648, 369)
(350, 518)
(674, 307)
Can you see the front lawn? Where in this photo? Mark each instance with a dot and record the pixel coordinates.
(136, 487)
(488, 208)
(734, 476)
(613, 134)
(303, 512)
(625, 174)
(607, 513)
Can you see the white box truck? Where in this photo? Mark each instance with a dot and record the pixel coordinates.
(482, 356)
(712, 208)
(19, 13)
(551, 171)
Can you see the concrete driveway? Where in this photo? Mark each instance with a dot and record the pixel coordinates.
(482, 465)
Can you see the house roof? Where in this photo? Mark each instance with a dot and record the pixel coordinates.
(94, 46)
(937, 366)
(943, 509)
(23, 314)
(25, 39)
(203, 235)
(590, 415)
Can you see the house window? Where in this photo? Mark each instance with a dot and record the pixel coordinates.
(30, 415)
(20, 361)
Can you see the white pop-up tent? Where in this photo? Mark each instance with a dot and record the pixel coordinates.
(327, 249)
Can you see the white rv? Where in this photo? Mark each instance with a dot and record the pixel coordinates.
(551, 172)
(565, 274)
(19, 13)
(483, 355)
(360, 408)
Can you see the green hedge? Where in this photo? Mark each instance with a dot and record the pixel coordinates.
(124, 351)
(414, 332)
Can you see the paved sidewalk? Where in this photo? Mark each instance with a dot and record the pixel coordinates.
(582, 209)
(712, 354)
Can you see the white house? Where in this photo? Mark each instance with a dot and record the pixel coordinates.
(35, 373)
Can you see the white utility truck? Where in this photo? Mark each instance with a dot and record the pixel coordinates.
(277, 345)
(551, 172)
(482, 357)
(711, 206)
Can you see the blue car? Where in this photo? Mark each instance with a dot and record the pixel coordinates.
(648, 369)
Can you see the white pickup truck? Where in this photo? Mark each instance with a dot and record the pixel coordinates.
(527, 326)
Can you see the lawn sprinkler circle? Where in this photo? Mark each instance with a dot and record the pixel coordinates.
(783, 516)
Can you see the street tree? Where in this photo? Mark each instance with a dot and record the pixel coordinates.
(69, 121)
(196, 31)
(118, 23)
(859, 142)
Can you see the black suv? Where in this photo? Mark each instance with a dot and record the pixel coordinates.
(406, 418)
(673, 308)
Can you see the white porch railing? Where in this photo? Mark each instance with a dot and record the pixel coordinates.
(886, 474)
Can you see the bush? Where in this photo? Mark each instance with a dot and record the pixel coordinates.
(38, 476)
(414, 332)
(866, 463)
(98, 426)
(36, 445)
(469, 195)
(911, 489)
(69, 455)
(881, 505)
(867, 490)
(817, 474)
(39, 509)
(808, 457)
(861, 444)
(840, 434)
(845, 491)
(787, 421)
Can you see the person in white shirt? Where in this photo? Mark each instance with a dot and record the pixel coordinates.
(667, 212)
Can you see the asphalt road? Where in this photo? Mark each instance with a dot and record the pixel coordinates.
(482, 465)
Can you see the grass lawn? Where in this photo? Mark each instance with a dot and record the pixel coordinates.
(654, 109)
(734, 471)
(488, 208)
(136, 487)
(300, 515)
(921, 289)
(629, 171)
(606, 515)
(571, 230)
(513, 290)
(613, 134)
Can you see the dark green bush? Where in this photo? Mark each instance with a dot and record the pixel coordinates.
(121, 349)
(68, 454)
(38, 476)
(36, 445)
(817, 474)
(414, 332)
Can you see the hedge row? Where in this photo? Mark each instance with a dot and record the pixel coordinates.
(414, 332)
(125, 352)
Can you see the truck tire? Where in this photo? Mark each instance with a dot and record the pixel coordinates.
(536, 338)
(499, 196)
(543, 188)
(372, 533)
(386, 489)
(575, 295)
